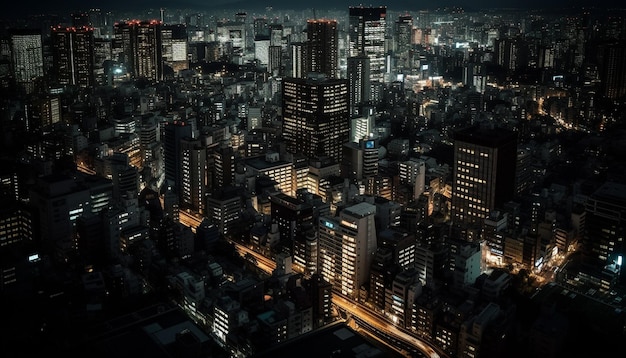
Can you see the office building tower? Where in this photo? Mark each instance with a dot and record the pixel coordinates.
(139, 46)
(315, 116)
(102, 54)
(305, 249)
(61, 200)
(299, 59)
(510, 53)
(360, 161)
(613, 69)
(359, 84)
(361, 127)
(404, 31)
(193, 169)
(366, 34)
(174, 40)
(261, 50)
(260, 26)
(232, 34)
(27, 56)
(270, 166)
(173, 133)
(603, 244)
(73, 56)
(293, 216)
(322, 41)
(483, 172)
(347, 244)
(275, 64)
(223, 169)
(412, 173)
(224, 209)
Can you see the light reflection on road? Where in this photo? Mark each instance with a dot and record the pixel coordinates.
(373, 319)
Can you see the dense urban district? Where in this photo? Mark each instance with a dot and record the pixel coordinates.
(364, 182)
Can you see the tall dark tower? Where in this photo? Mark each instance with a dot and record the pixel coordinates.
(315, 116)
(73, 55)
(26, 57)
(613, 70)
(322, 42)
(367, 29)
(173, 135)
(139, 47)
(483, 172)
(603, 244)
(359, 82)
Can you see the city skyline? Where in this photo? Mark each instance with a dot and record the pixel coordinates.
(34, 7)
(230, 183)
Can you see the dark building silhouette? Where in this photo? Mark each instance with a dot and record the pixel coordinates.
(322, 40)
(73, 55)
(483, 172)
(315, 116)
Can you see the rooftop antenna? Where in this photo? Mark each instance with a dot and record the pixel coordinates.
(314, 16)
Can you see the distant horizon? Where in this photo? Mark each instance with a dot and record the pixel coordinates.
(40, 7)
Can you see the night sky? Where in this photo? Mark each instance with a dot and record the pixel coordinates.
(61, 7)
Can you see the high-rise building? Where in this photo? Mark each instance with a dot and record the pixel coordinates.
(193, 183)
(404, 30)
(224, 209)
(299, 59)
(347, 246)
(359, 83)
(27, 57)
(322, 40)
(175, 46)
(367, 29)
(603, 234)
(483, 172)
(613, 70)
(360, 160)
(73, 55)
(139, 46)
(293, 216)
(172, 135)
(315, 116)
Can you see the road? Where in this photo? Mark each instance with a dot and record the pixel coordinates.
(372, 319)
(378, 322)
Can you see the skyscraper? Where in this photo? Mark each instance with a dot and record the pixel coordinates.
(73, 55)
(367, 28)
(322, 41)
(404, 30)
(175, 46)
(603, 234)
(193, 183)
(483, 172)
(173, 134)
(315, 116)
(613, 69)
(139, 47)
(347, 245)
(359, 82)
(27, 57)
